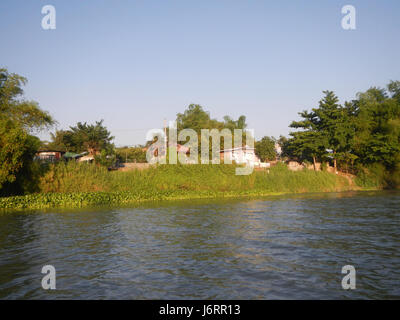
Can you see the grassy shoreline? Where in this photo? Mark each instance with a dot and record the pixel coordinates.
(80, 186)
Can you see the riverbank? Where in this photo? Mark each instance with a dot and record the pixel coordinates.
(77, 186)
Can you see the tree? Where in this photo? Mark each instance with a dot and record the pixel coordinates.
(92, 138)
(17, 151)
(364, 132)
(58, 141)
(13, 143)
(378, 127)
(18, 118)
(394, 90)
(328, 127)
(329, 118)
(107, 157)
(309, 143)
(196, 118)
(265, 149)
(26, 113)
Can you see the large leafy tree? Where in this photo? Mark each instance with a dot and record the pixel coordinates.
(13, 146)
(58, 141)
(378, 126)
(14, 107)
(365, 131)
(196, 118)
(330, 126)
(335, 123)
(19, 118)
(308, 143)
(265, 149)
(92, 138)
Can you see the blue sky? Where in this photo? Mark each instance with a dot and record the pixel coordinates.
(134, 63)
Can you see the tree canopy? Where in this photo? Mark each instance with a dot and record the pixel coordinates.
(196, 118)
(265, 149)
(92, 138)
(364, 131)
(18, 119)
(14, 107)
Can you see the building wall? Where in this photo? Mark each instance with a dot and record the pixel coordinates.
(49, 156)
(241, 156)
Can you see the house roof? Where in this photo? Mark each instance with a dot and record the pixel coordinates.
(50, 150)
(238, 148)
(74, 155)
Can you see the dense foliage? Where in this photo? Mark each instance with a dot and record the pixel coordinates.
(361, 136)
(134, 154)
(92, 138)
(265, 149)
(18, 119)
(358, 136)
(196, 118)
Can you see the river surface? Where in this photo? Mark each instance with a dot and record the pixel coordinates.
(273, 248)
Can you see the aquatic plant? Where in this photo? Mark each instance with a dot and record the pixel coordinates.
(82, 185)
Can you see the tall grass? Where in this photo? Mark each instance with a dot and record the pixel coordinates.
(75, 177)
(77, 185)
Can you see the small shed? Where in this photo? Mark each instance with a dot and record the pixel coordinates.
(49, 155)
(87, 158)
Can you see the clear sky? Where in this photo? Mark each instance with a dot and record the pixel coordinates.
(134, 63)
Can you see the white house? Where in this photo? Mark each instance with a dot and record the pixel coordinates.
(241, 155)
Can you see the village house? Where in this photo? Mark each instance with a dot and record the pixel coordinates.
(49, 155)
(86, 158)
(241, 155)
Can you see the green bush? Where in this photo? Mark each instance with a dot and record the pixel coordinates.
(373, 176)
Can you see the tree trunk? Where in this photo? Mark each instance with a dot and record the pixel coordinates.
(314, 163)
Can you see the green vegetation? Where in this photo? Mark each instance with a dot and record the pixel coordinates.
(134, 154)
(83, 137)
(94, 139)
(265, 149)
(18, 119)
(196, 118)
(80, 185)
(359, 136)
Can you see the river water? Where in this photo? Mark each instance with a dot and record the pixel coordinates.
(272, 248)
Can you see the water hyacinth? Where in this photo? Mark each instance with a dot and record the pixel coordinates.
(75, 185)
